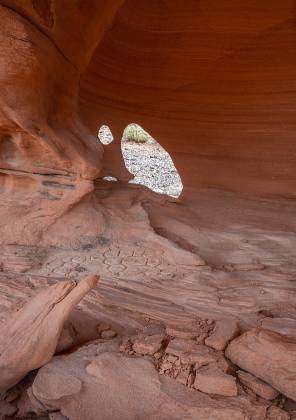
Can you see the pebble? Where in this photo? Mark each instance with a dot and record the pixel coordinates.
(103, 327)
(171, 358)
(157, 356)
(108, 334)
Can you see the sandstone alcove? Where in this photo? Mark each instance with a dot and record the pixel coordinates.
(196, 299)
(105, 135)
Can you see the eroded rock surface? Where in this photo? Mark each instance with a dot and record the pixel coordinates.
(148, 344)
(223, 333)
(190, 352)
(212, 380)
(108, 384)
(29, 338)
(256, 385)
(214, 83)
(284, 326)
(267, 355)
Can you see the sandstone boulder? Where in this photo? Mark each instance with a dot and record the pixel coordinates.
(148, 344)
(212, 380)
(223, 333)
(267, 355)
(55, 386)
(191, 353)
(120, 387)
(28, 339)
(256, 385)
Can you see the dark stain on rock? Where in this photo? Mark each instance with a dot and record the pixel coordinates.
(53, 184)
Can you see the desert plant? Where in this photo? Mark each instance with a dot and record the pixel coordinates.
(134, 132)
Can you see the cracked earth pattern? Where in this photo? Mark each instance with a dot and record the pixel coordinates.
(135, 262)
(143, 277)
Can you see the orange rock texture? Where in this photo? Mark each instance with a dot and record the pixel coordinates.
(214, 83)
(183, 282)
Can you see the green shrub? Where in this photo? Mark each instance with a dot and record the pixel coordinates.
(134, 132)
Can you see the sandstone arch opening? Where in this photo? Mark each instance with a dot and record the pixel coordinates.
(149, 162)
(110, 178)
(105, 135)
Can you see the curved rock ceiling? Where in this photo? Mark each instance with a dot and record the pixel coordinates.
(214, 82)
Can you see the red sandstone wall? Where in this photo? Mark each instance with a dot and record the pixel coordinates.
(213, 81)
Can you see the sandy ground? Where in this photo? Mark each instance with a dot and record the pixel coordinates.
(153, 167)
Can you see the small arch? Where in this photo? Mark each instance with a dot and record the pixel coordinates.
(110, 178)
(149, 162)
(105, 135)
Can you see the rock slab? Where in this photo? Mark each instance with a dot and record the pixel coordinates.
(149, 344)
(256, 385)
(120, 387)
(212, 380)
(223, 333)
(269, 356)
(191, 353)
